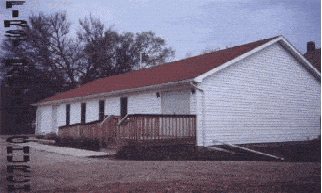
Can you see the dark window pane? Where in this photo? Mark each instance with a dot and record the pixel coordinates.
(123, 106)
(83, 113)
(67, 114)
(101, 109)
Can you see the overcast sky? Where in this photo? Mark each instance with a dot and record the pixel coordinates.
(191, 26)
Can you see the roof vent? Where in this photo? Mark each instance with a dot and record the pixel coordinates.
(310, 46)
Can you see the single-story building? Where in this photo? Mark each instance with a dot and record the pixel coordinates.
(264, 91)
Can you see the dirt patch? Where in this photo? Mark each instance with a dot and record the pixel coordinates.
(52, 172)
(66, 174)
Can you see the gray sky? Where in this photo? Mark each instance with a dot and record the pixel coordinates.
(191, 26)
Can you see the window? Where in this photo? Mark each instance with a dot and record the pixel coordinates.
(67, 114)
(83, 113)
(101, 109)
(123, 106)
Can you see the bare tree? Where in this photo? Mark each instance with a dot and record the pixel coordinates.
(47, 60)
(58, 62)
(48, 50)
(98, 49)
(109, 53)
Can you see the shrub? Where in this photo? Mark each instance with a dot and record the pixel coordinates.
(51, 136)
(48, 136)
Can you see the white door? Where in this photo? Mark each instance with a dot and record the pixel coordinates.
(175, 102)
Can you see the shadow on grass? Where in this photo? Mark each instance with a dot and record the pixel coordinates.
(83, 143)
(300, 151)
(303, 151)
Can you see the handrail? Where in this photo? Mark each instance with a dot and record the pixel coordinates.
(106, 119)
(161, 115)
(122, 120)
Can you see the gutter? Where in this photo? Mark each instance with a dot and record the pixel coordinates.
(117, 92)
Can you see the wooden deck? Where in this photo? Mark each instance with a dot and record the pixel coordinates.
(138, 130)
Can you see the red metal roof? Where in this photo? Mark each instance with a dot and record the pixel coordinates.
(171, 72)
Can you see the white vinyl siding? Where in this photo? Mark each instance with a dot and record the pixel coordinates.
(176, 102)
(144, 103)
(200, 105)
(267, 97)
(54, 118)
(140, 103)
(38, 129)
(44, 120)
(75, 113)
(61, 116)
(92, 111)
(112, 106)
(49, 118)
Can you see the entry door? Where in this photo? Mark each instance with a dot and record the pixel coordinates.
(175, 102)
(123, 106)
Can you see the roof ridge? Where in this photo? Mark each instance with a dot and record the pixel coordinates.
(232, 47)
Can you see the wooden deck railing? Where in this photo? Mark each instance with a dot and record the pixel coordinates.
(77, 131)
(143, 127)
(137, 129)
(103, 131)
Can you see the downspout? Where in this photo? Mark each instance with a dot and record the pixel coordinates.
(202, 112)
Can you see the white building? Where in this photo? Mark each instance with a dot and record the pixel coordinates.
(264, 91)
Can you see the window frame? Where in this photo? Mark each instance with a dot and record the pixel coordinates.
(101, 109)
(67, 114)
(123, 106)
(83, 113)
